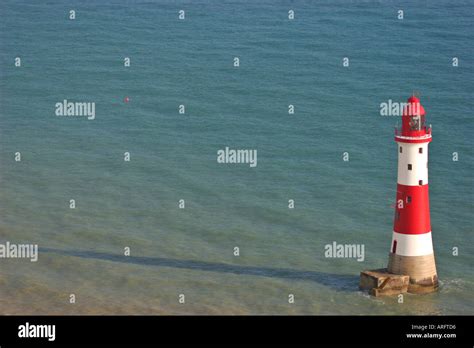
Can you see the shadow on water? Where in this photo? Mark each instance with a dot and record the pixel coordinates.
(336, 281)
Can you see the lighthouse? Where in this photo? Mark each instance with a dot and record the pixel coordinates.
(411, 265)
(411, 251)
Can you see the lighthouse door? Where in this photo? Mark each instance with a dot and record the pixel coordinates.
(394, 247)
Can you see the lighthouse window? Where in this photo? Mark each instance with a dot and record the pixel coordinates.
(398, 215)
(408, 199)
(409, 167)
(420, 150)
(401, 149)
(420, 182)
(415, 123)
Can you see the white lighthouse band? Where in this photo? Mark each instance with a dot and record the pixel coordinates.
(412, 163)
(412, 244)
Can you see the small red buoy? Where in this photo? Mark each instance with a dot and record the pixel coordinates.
(126, 99)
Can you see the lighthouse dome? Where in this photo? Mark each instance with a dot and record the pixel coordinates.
(413, 120)
(413, 107)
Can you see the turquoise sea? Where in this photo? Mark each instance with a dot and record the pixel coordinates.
(190, 62)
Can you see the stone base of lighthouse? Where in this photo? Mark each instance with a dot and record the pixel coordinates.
(412, 274)
(421, 269)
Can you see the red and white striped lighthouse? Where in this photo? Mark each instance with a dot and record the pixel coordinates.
(411, 250)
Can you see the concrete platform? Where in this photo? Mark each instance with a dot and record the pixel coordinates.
(381, 283)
